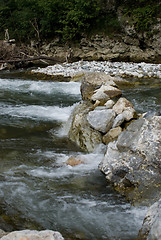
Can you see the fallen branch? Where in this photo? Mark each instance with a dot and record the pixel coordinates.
(30, 59)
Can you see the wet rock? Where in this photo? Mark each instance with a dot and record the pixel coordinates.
(33, 235)
(111, 135)
(81, 132)
(101, 119)
(151, 229)
(138, 148)
(74, 161)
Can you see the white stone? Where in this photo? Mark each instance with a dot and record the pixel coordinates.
(33, 235)
(121, 105)
(109, 104)
(138, 70)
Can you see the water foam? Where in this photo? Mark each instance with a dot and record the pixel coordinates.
(37, 112)
(71, 88)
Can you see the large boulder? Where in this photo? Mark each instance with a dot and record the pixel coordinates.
(151, 229)
(81, 132)
(132, 163)
(33, 235)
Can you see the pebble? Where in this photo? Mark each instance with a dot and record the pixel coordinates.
(117, 69)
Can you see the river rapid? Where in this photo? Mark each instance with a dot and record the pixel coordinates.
(38, 190)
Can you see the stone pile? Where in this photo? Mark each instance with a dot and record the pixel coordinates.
(119, 69)
(102, 115)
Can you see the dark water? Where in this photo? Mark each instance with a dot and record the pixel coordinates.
(38, 190)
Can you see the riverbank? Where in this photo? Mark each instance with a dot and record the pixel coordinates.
(117, 69)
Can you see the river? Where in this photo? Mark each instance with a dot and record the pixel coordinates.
(38, 190)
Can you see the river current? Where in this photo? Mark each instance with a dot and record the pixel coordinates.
(38, 190)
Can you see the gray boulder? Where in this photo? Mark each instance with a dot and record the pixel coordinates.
(101, 120)
(151, 229)
(132, 163)
(33, 235)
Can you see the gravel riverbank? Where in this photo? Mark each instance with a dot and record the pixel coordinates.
(119, 69)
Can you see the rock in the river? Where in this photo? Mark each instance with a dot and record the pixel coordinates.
(93, 81)
(99, 78)
(74, 161)
(151, 229)
(132, 163)
(99, 113)
(101, 120)
(33, 235)
(81, 132)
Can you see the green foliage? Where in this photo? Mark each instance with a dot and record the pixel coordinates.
(26, 19)
(142, 13)
(70, 19)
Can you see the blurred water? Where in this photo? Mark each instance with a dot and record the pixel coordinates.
(37, 188)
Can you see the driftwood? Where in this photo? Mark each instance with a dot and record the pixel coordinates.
(31, 59)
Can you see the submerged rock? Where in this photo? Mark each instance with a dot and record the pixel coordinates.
(151, 229)
(33, 235)
(74, 161)
(132, 163)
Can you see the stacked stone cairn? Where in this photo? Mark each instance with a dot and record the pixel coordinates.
(103, 114)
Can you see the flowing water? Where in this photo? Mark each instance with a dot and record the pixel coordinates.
(38, 190)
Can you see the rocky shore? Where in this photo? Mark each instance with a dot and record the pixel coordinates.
(117, 69)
